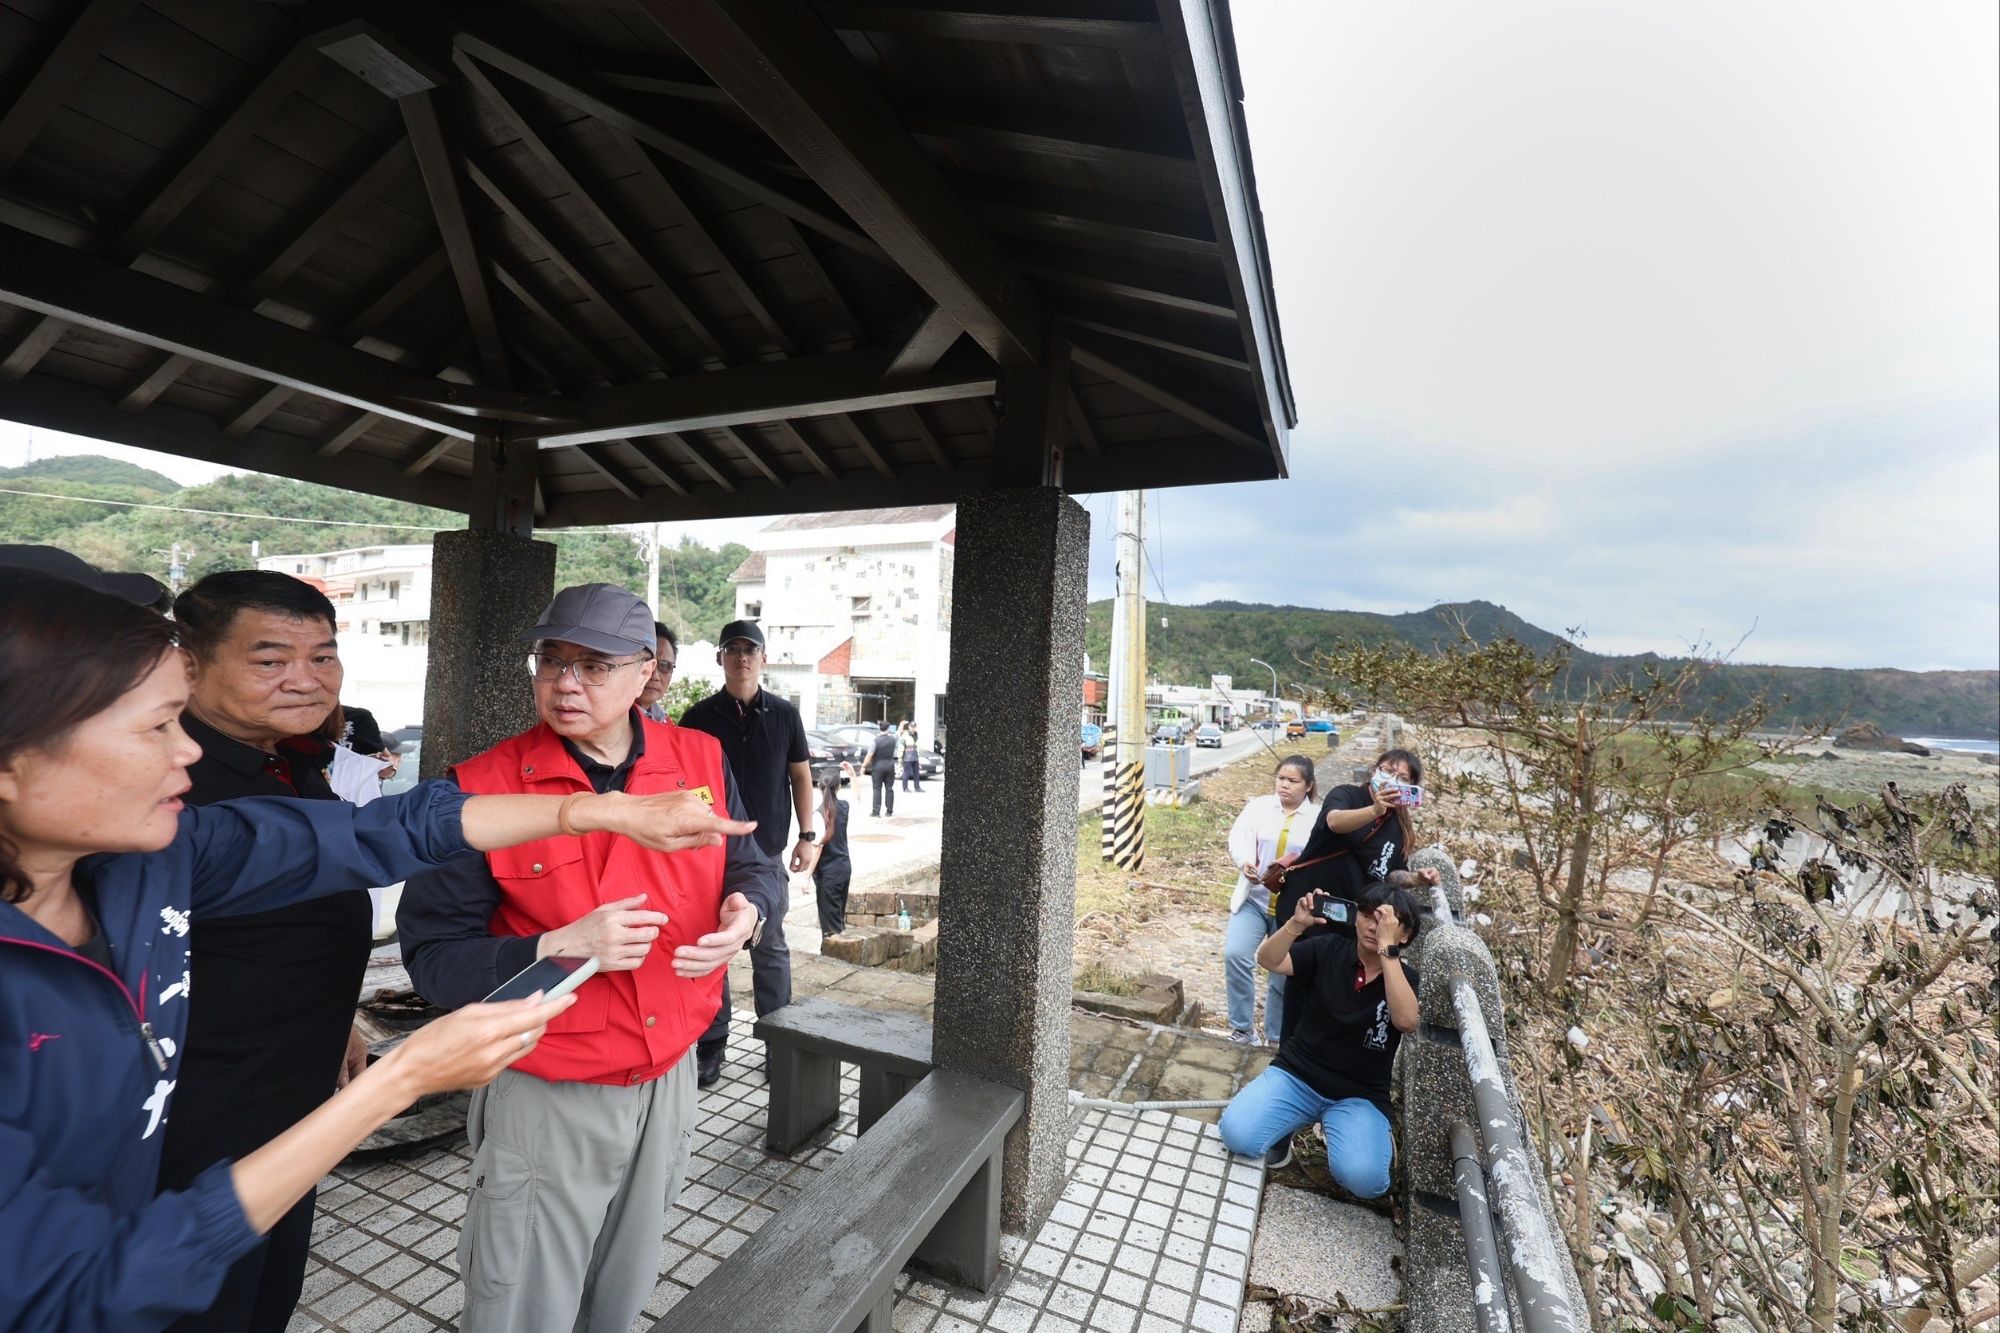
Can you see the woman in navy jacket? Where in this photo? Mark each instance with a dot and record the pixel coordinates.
(102, 877)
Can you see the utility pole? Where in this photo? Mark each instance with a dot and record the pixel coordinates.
(652, 540)
(1125, 749)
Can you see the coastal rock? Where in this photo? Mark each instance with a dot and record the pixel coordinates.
(1868, 736)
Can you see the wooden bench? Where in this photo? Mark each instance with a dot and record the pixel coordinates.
(810, 1040)
(922, 1187)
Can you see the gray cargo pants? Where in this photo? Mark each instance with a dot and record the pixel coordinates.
(571, 1185)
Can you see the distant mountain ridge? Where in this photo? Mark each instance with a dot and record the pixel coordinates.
(93, 470)
(1220, 638)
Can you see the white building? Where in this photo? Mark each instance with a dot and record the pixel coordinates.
(856, 613)
(381, 598)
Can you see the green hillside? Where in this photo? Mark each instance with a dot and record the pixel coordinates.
(692, 576)
(1187, 644)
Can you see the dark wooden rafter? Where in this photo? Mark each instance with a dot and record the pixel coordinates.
(1019, 206)
(668, 76)
(1204, 340)
(322, 221)
(438, 161)
(621, 479)
(1021, 22)
(555, 319)
(540, 57)
(1124, 279)
(1154, 148)
(835, 384)
(1175, 388)
(179, 190)
(352, 334)
(58, 74)
(655, 457)
(422, 455)
(929, 341)
(792, 76)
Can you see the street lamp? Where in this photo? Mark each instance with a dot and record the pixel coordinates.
(1256, 661)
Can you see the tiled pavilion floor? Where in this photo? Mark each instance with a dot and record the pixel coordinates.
(1153, 1231)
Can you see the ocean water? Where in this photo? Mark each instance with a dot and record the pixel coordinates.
(1952, 743)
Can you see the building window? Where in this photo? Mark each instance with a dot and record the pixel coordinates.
(753, 610)
(860, 606)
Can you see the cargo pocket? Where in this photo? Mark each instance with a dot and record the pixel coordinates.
(499, 1215)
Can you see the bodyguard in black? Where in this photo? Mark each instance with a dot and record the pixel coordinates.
(764, 743)
(270, 1027)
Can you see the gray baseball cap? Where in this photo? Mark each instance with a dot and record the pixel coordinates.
(597, 615)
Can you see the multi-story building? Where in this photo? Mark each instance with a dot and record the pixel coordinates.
(856, 612)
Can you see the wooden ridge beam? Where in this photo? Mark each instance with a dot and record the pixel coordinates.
(794, 78)
(830, 385)
(58, 73)
(1159, 381)
(82, 289)
(1022, 22)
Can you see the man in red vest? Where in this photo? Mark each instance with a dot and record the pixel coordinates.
(581, 1146)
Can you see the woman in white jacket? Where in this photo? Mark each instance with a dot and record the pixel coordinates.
(1271, 829)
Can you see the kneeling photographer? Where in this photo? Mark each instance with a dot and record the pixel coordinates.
(1354, 1000)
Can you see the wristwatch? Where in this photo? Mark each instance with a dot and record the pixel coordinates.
(757, 931)
(808, 836)
(1393, 951)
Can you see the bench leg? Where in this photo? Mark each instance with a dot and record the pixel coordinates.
(805, 1096)
(879, 1318)
(964, 1247)
(880, 1089)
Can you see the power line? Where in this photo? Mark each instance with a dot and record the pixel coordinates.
(276, 518)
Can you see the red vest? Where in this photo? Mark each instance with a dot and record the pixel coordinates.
(625, 1027)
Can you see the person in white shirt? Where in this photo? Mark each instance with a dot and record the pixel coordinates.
(1271, 830)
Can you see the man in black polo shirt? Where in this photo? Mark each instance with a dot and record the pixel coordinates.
(764, 742)
(271, 1031)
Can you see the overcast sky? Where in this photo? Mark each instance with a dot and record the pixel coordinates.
(1665, 322)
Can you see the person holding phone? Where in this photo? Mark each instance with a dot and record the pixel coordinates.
(1355, 999)
(104, 875)
(1271, 831)
(581, 1148)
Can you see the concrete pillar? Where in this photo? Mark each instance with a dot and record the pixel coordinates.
(486, 588)
(1007, 879)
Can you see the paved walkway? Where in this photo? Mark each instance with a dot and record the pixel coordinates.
(1153, 1232)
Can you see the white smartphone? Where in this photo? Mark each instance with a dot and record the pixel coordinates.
(553, 977)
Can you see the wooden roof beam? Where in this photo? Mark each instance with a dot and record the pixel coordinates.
(81, 289)
(655, 457)
(1124, 279)
(439, 165)
(1158, 149)
(600, 459)
(541, 57)
(929, 341)
(818, 386)
(794, 78)
(1204, 340)
(1086, 213)
(57, 75)
(1159, 381)
(1022, 22)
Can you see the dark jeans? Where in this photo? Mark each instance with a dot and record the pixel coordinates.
(832, 894)
(913, 777)
(262, 1288)
(770, 977)
(885, 790)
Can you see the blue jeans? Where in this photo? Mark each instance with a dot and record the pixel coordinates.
(1247, 929)
(1277, 1104)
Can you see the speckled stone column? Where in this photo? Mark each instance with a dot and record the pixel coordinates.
(1007, 878)
(486, 588)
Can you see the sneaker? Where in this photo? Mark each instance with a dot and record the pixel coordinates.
(1242, 1038)
(708, 1066)
(1280, 1155)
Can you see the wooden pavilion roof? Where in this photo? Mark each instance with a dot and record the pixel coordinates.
(698, 257)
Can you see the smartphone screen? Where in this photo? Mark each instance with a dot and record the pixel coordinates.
(554, 977)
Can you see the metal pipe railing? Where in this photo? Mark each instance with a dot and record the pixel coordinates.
(1536, 1272)
(1475, 1219)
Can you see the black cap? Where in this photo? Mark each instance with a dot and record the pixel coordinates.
(740, 629)
(602, 616)
(364, 733)
(139, 589)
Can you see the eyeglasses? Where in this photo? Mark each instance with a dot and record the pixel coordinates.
(741, 650)
(589, 671)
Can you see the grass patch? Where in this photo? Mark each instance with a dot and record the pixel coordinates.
(1099, 976)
